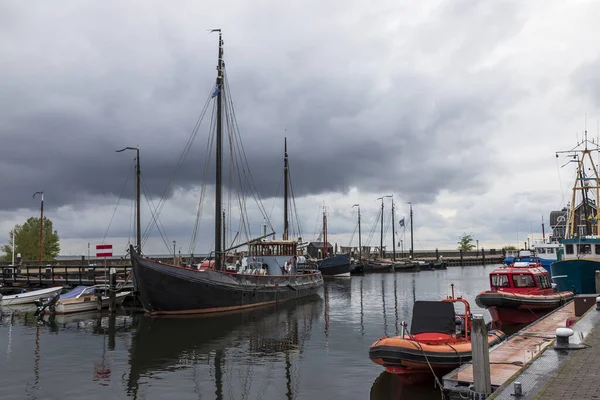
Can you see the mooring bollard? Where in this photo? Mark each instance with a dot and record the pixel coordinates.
(518, 389)
(481, 358)
(598, 303)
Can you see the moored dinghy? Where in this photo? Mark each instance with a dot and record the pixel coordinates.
(29, 297)
(83, 298)
(439, 341)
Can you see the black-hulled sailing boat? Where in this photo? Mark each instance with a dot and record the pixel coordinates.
(333, 265)
(270, 273)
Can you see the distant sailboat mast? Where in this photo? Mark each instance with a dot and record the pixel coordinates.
(285, 192)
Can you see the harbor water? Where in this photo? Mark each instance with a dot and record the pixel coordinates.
(314, 349)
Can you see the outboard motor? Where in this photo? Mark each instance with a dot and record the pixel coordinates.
(41, 306)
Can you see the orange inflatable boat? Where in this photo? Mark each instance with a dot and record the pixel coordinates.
(439, 341)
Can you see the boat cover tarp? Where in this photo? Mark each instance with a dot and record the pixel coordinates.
(76, 291)
(433, 316)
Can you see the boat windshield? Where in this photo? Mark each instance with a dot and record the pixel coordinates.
(523, 280)
(500, 280)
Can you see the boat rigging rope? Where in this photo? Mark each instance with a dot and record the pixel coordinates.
(154, 214)
(296, 215)
(182, 158)
(242, 152)
(373, 228)
(116, 207)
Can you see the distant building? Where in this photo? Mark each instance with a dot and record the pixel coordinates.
(584, 220)
(315, 249)
(558, 223)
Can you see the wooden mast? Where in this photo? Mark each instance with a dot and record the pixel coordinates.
(219, 157)
(411, 232)
(325, 246)
(285, 192)
(393, 233)
(41, 224)
(381, 234)
(359, 239)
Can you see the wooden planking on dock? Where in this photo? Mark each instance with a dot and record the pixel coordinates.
(509, 357)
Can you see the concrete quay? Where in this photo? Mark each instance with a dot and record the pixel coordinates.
(559, 373)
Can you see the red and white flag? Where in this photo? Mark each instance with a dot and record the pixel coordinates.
(104, 250)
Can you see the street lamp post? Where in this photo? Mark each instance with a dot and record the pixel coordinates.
(478, 245)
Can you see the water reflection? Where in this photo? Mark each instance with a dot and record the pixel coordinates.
(317, 348)
(227, 342)
(389, 387)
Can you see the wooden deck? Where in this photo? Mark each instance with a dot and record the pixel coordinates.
(509, 357)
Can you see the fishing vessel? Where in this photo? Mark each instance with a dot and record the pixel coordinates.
(579, 258)
(271, 272)
(439, 340)
(546, 251)
(520, 294)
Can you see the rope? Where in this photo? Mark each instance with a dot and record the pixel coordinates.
(428, 363)
(115, 210)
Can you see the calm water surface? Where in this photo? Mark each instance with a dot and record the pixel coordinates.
(314, 349)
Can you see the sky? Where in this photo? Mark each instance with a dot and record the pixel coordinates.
(456, 106)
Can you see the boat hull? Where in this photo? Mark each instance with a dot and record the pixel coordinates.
(337, 266)
(89, 303)
(166, 289)
(29, 297)
(513, 308)
(415, 360)
(578, 275)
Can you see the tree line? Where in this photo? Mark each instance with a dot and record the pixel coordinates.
(27, 241)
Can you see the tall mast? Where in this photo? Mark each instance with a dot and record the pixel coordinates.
(359, 240)
(325, 246)
(393, 233)
(41, 224)
(13, 247)
(411, 231)
(138, 236)
(285, 192)
(381, 234)
(219, 157)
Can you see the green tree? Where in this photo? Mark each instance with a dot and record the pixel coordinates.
(510, 247)
(465, 242)
(27, 241)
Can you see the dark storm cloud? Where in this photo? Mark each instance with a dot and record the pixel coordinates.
(66, 107)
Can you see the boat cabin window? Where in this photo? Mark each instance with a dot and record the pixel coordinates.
(500, 280)
(584, 248)
(541, 250)
(597, 248)
(550, 250)
(520, 280)
(569, 249)
(543, 282)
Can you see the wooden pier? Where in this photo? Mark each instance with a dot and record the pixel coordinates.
(42, 276)
(509, 357)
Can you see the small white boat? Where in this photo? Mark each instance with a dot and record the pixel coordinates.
(82, 298)
(29, 297)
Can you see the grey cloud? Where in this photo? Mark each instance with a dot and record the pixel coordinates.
(65, 116)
